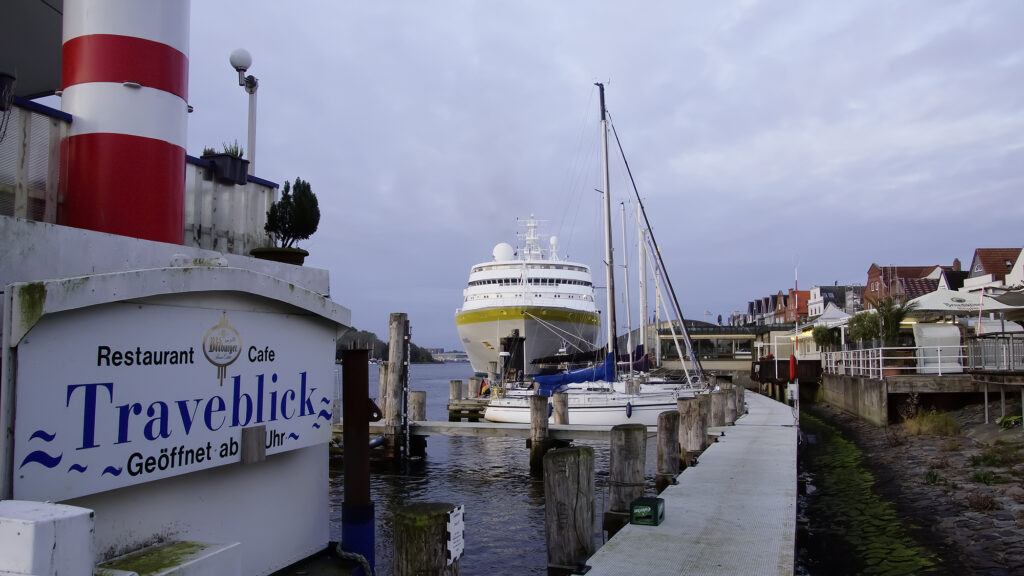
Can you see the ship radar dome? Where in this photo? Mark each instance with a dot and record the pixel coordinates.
(503, 251)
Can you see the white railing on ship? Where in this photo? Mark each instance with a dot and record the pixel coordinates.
(895, 361)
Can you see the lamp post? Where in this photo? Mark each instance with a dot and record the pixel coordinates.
(241, 60)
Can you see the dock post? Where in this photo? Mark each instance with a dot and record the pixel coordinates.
(421, 540)
(692, 434)
(704, 414)
(741, 400)
(417, 413)
(730, 406)
(718, 408)
(560, 403)
(569, 508)
(382, 383)
(538, 433)
(625, 474)
(454, 396)
(474, 387)
(668, 449)
(357, 513)
(492, 375)
(397, 375)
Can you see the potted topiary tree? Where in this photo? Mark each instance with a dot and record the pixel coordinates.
(228, 166)
(294, 217)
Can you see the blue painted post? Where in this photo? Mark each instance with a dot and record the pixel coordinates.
(357, 512)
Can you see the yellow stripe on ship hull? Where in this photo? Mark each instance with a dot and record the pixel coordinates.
(521, 312)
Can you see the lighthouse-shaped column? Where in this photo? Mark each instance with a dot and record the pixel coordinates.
(125, 83)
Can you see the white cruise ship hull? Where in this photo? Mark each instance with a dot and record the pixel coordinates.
(543, 329)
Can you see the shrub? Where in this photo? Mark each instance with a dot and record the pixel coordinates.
(999, 454)
(982, 502)
(932, 423)
(295, 216)
(932, 477)
(985, 477)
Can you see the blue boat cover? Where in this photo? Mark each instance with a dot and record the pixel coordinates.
(548, 385)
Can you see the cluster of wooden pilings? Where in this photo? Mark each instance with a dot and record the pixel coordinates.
(568, 473)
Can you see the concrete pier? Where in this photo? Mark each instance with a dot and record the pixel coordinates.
(734, 513)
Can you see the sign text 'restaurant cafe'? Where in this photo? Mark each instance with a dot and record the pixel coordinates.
(130, 393)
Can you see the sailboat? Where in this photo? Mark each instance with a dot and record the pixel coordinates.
(595, 395)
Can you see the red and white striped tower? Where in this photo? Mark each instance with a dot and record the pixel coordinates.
(125, 83)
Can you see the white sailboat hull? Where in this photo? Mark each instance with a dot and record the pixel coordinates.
(593, 408)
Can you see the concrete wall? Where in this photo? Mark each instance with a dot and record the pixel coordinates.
(865, 397)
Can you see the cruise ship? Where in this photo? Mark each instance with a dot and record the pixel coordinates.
(528, 311)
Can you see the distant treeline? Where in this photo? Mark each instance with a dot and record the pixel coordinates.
(364, 340)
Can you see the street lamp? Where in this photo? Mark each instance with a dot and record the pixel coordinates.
(241, 60)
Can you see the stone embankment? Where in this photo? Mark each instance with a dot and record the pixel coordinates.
(966, 492)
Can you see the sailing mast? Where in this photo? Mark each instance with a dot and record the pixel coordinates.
(625, 282)
(609, 264)
(642, 273)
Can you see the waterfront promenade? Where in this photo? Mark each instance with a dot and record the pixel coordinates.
(733, 513)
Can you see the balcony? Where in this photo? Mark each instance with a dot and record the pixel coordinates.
(218, 216)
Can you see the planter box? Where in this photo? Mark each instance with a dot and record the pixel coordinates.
(228, 169)
(286, 255)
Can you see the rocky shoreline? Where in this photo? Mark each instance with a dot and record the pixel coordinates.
(967, 503)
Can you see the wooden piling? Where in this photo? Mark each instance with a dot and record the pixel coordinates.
(668, 449)
(357, 509)
(569, 507)
(474, 388)
(492, 374)
(704, 414)
(382, 383)
(560, 405)
(417, 405)
(730, 406)
(625, 474)
(692, 435)
(421, 537)
(718, 408)
(397, 374)
(417, 413)
(538, 433)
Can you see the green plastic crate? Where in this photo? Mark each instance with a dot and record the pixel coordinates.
(647, 511)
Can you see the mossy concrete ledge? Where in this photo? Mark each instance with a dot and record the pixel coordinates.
(176, 558)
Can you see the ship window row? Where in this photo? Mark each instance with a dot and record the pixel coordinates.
(531, 267)
(489, 296)
(535, 281)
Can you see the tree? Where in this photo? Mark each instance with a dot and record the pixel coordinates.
(863, 326)
(890, 313)
(823, 337)
(295, 216)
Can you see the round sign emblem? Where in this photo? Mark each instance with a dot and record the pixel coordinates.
(958, 300)
(222, 345)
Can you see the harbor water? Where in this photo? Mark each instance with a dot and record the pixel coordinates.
(504, 505)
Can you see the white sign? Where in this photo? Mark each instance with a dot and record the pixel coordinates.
(456, 527)
(128, 393)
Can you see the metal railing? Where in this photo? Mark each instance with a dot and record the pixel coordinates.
(217, 215)
(998, 352)
(896, 361)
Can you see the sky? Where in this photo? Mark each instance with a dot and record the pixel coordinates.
(767, 139)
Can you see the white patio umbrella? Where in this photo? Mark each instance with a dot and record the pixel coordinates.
(954, 303)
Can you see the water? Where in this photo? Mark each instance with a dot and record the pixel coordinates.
(489, 476)
(844, 525)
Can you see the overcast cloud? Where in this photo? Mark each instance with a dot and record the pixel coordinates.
(761, 135)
